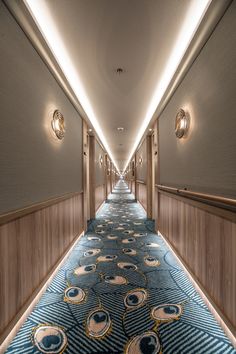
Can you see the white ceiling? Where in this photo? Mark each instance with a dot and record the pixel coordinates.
(103, 35)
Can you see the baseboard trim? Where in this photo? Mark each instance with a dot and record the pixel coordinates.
(213, 308)
(13, 328)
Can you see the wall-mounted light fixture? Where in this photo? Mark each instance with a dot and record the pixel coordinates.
(58, 124)
(101, 160)
(181, 124)
(140, 160)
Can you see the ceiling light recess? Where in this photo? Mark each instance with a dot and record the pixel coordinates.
(190, 24)
(42, 17)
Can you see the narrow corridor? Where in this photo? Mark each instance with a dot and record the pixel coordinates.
(121, 290)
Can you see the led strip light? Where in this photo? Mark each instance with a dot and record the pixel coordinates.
(189, 27)
(41, 15)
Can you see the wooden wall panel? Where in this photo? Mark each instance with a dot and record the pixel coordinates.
(133, 187)
(108, 186)
(100, 195)
(142, 194)
(30, 247)
(207, 244)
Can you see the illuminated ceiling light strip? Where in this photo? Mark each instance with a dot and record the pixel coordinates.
(192, 21)
(42, 18)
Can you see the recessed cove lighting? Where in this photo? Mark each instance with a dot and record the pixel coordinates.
(43, 19)
(190, 24)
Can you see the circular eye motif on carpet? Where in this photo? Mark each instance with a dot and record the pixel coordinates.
(110, 222)
(128, 232)
(98, 323)
(119, 228)
(151, 244)
(146, 343)
(151, 261)
(100, 232)
(128, 240)
(140, 234)
(138, 223)
(74, 295)
(107, 258)
(135, 298)
(112, 237)
(115, 279)
(94, 238)
(49, 339)
(91, 253)
(101, 225)
(167, 312)
(90, 268)
(127, 266)
(129, 251)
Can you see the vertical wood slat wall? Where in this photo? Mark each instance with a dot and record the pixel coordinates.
(30, 247)
(207, 244)
(100, 195)
(142, 193)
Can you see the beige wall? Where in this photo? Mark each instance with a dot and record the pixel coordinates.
(206, 160)
(34, 165)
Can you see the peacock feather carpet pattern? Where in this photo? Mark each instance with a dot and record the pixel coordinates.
(121, 290)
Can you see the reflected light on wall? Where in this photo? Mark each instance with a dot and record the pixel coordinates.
(190, 24)
(42, 18)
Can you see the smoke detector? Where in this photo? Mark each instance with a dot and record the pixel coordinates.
(119, 71)
(120, 129)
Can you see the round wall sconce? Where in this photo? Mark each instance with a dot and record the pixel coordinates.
(181, 124)
(140, 160)
(58, 124)
(101, 160)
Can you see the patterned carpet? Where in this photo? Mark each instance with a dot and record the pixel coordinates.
(121, 290)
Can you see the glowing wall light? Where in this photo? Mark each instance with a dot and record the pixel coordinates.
(181, 124)
(58, 124)
(189, 26)
(41, 14)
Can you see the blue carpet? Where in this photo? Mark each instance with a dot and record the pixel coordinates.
(121, 290)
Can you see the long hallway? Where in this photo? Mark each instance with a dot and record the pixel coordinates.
(121, 290)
